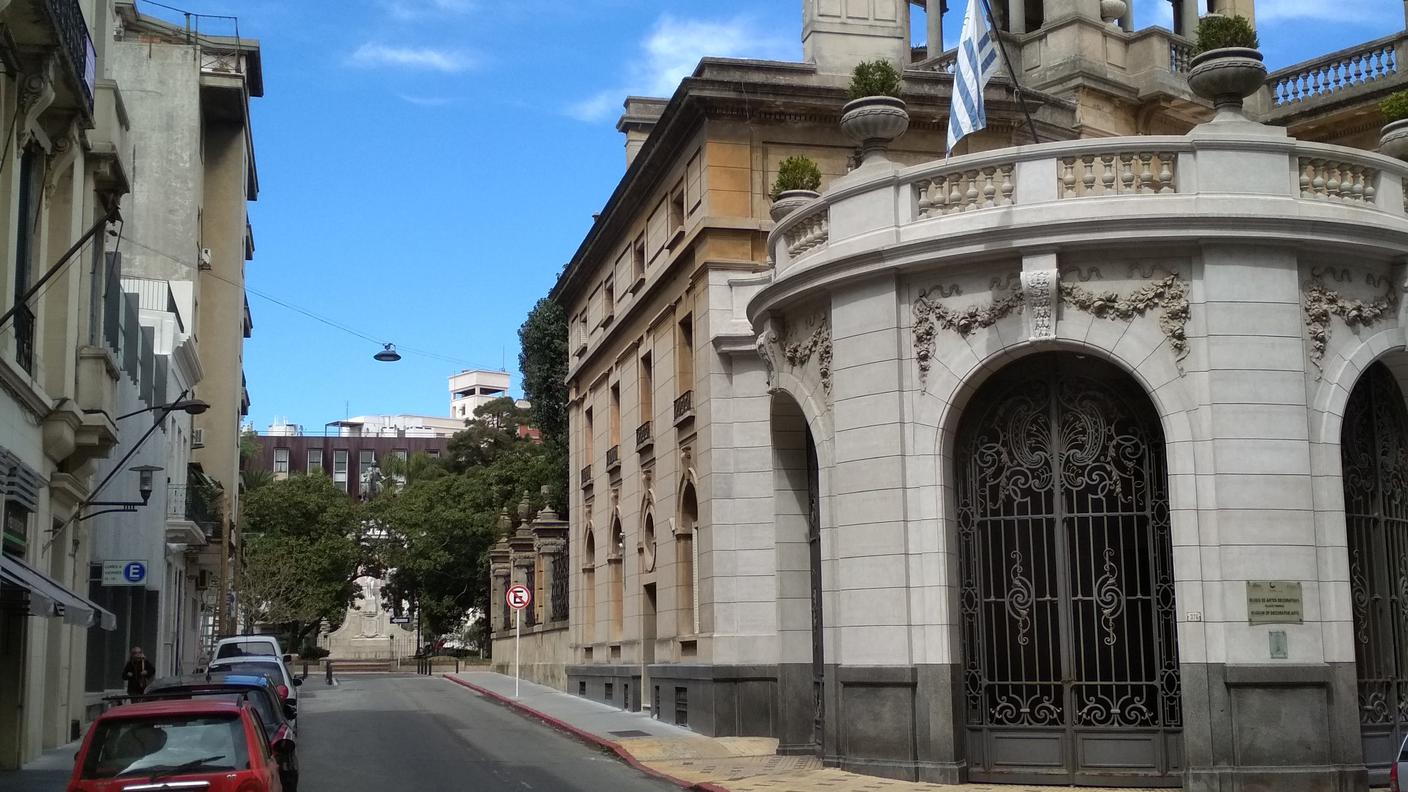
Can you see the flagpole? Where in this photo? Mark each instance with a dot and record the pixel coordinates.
(1012, 73)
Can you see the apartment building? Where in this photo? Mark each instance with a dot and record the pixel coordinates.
(997, 468)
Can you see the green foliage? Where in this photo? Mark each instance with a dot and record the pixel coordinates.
(1219, 32)
(254, 477)
(796, 173)
(543, 361)
(1395, 107)
(493, 430)
(250, 448)
(874, 78)
(299, 506)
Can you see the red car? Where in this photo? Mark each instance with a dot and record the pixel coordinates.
(182, 744)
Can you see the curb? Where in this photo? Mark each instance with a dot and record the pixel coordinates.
(585, 736)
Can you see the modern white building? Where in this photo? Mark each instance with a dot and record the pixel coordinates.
(473, 388)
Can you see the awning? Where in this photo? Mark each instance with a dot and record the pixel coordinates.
(48, 598)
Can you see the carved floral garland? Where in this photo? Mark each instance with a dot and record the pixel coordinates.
(929, 316)
(1171, 294)
(1321, 302)
(819, 344)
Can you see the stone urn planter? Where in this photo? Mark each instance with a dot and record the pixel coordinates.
(789, 201)
(874, 122)
(1393, 139)
(1227, 76)
(1112, 10)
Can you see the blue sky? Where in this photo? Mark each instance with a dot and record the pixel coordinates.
(428, 166)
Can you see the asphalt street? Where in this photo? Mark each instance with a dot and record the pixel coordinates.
(377, 733)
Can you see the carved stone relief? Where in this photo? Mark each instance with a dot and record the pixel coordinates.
(1170, 294)
(1041, 290)
(929, 315)
(796, 345)
(1322, 302)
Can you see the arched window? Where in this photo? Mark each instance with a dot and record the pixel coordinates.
(618, 579)
(589, 588)
(687, 561)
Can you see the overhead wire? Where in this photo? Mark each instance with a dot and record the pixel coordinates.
(333, 323)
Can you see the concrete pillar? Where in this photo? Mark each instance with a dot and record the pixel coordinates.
(1242, 8)
(836, 35)
(934, 21)
(1127, 20)
(1017, 11)
(1059, 9)
(1186, 13)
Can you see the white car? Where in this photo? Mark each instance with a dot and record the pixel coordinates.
(271, 667)
(1398, 768)
(248, 645)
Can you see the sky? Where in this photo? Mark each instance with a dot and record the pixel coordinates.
(427, 167)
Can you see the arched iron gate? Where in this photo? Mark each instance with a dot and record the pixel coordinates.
(1374, 453)
(1066, 586)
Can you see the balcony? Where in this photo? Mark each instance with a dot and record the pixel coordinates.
(586, 477)
(644, 439)
(192, 514)
(111, 141)
(1358, 75)
(55, 33)
(24, 338)
(684, 407)
(613, 458)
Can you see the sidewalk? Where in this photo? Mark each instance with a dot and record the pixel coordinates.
(692, 761)
(48, 773)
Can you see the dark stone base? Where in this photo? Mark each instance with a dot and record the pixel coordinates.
(591, 681)
(720, 701)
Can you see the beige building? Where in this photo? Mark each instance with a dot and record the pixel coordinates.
(188, 223)
(1024, 466)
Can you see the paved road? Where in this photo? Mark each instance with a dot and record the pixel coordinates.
(377, 733)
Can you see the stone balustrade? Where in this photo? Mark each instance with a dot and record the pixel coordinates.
(1025, 185)
(1337, 73)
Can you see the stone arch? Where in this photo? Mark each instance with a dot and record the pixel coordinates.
(687, 546)
(589, 631)
(648, 538)
(616, 561)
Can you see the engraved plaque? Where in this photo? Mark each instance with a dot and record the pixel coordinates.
(1274, 602)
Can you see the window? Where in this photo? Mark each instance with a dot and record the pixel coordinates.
(676, 214)
(647, 389)
(339, 468)
(366, 460)
(684, 356)
(588, 430)
(610, 290)
(615, 414)
(638, 257)
(280, 463)
(694, 182)
(315, 460)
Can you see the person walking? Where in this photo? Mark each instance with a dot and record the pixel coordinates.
(138, 672)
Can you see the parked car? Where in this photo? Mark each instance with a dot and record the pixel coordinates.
(272, 668)
(1398, 770)
(277, 715)
(206, 744)
(247, 645)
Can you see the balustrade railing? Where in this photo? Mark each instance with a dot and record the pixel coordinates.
(24, 337)
(586, 476)
(809, 232)
(77, 45)
(1179, 54)
(965, 190)
(1144, 172)
(1335, 72)
(613, 457)
(643, 436)
(1328, 180)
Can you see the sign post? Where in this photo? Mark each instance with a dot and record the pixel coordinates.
(518, 597)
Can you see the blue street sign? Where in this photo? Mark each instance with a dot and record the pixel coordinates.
(134, 572)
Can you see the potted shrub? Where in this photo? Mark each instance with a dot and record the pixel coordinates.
(798, 179)
(1393, 139)
(1226, 65)
(875, 115)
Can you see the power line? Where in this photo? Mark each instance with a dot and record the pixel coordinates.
(299, 309)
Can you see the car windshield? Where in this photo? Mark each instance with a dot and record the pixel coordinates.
(246, 648)
(270, 671)
(260, 698)
(157, 745)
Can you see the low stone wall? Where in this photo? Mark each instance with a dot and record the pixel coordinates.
(545, 652)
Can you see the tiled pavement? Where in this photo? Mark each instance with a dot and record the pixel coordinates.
(735, 764)
(49, 773)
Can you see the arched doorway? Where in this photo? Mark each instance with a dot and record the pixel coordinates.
(1066, 578)
(1374, 453)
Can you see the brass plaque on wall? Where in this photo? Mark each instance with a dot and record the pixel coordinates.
(1274, 602)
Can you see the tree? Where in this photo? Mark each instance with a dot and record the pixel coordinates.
(543, 361)
(306, 543)
(492, 431)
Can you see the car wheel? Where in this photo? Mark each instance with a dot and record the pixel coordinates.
(289, 779)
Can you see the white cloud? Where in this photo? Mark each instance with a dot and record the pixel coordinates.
(428, 101)
(448, 61)
(672, 50)
(1355, 11)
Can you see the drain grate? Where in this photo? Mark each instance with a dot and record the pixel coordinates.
(629, 733)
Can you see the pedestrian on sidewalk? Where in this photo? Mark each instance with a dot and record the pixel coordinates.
(138, 672)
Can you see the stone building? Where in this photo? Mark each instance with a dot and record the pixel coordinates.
(1068, 463)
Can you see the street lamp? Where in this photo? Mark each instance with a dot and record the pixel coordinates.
(388, 354)
(144, 488)
(188, 406)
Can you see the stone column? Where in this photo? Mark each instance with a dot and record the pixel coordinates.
(525, 556)
(498, 583)
(550, 537)
(1057, 9)
(1017, 13)
(1185, 15)
(934, 21)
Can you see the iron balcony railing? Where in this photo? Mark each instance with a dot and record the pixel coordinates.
(586, 476)
(76, 44)
(192, 502)
(684, 406)
(24, 337)
(613, 457)
(643, 436)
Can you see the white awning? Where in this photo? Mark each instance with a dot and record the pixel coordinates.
(48, 598)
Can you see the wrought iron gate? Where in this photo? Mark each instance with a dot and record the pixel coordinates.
(1066, 583)
(814, 554)
(1374, 452)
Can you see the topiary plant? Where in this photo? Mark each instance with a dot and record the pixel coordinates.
(1216, 31)
(1395, 107)
(796, 173)
(874, 78)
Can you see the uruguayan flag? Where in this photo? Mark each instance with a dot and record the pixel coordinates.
(977, 61)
